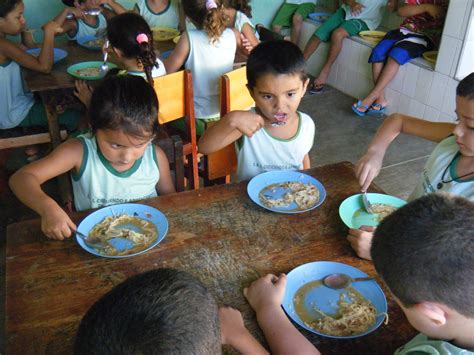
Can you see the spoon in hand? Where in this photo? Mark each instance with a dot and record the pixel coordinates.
(92, 12)
(337, 281)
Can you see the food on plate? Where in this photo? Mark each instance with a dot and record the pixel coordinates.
(97, 42)
(88, 72)
(382, 210)
(304, 195)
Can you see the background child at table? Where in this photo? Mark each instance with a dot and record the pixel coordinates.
(17, 107)
(87, 25)
(163, 311)
(274, 136)
(418, 33)
(429, 268)
(208, 52)
(238, 12)
(351, 18)
(161, 13)
(450, 168)
(116, 163)
(291, 14)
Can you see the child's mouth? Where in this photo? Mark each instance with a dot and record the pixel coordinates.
(280, 117)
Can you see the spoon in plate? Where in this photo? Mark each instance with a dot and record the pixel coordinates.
(104, 68)
(337, 281)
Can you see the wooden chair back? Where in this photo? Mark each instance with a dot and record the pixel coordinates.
(15, 138)
(173, 148)
(175, 96)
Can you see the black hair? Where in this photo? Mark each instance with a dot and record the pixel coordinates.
(466, 87)
(122, 32)
(213, 21)
(424, 252)
(239, 5)
(124, 102)
(7, 6)
(275, 57)
(69, 3)
(163, 311)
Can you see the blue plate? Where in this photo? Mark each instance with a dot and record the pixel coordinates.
(59, 54)
(353, 214)
(326, 298)
(165, 54)
(319, 17)
(83, 42)
(261, 181)
(134, 209)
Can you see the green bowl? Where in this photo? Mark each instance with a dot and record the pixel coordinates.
(353, 214)
(73, 70)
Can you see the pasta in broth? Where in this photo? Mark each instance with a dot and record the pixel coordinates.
(304, 195)
(113, 227)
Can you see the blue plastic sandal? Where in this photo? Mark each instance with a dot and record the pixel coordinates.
(376, 109)
(357, 106)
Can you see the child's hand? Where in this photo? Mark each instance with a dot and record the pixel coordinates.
(356, 8)
(247, 122)
(56, 224)
(232, 325)
(83, 92)
(368, 168)
(435, 11)
(76, 11)
(267, 291)
(52, 27)
(246, 44)
(361, 241)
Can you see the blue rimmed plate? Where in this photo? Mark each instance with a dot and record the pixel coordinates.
(59, 54)
(261, 181)
(319, 17)
(325, 298)
(91, 42)
(133, 209)
(353, 214)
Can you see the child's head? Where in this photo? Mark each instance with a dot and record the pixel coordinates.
(11, 17)
(464, 130)
(130, 35)
(239, 5)
(424, 252)
(207, 15)
(163, 311)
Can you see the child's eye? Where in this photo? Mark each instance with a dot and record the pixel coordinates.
(291, 94)
(267, 97)
(115, 146)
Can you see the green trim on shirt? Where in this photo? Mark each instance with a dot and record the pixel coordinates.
(291, 138)
(6, 64)
(112, 170)
(85, 156)
(155, 158)
(453, 170)
(157, 13)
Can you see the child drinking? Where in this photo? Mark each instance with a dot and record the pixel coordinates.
(274, 135)
(115, 163)
(160, 13)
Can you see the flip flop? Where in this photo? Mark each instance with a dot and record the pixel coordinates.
(316, 89)
(358, 105)
(376, 109)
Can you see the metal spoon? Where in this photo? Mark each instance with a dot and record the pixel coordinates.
(92, 12)
(104, 68)
(93, 242)
(337, 281)
(367, 204)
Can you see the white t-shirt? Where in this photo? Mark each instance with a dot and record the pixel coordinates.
(263, 152)
(371, 14)
(156, 72)
(169, 17)
(443, 160)
(240, 20)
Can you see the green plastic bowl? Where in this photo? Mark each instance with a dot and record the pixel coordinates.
(353, 214)
(72, 70)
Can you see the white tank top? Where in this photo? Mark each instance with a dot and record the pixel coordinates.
(156, 72)
(240, 20)
(208, 62)
(14, 102)
(169, 17)
(83, 29)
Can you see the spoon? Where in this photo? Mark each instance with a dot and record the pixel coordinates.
(104, 68)
(337, 281)
(92, 12)
(278, 123)
(118, 243)
(367, 204)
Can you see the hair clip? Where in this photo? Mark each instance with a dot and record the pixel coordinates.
(122, 72)
(141, 38)
(211, 4)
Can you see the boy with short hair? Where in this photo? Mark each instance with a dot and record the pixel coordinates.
(163, 311)
(428, 267)
(274, 135)
(291, 14)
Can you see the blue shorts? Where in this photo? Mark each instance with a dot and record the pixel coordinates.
(396, 46)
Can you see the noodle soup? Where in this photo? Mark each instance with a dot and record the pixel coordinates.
(303, 195)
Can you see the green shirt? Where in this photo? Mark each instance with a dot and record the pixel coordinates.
(421, 345)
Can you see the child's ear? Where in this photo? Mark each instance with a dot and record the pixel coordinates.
(432, 312)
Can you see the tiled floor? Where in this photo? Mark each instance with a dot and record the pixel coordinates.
(340, 135)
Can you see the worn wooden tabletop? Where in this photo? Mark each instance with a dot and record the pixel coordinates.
(218, 234)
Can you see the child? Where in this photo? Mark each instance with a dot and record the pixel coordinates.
(429, 269)
(418, 33)
(163, 311)
(208, 52)
(237, 11)
(17, 107)
(450, 167)
(161, 13)
(116, 163)
(274, 136)
(291, 14)
(87, 25)
(351, 18)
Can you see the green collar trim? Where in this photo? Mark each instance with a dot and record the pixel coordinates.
(112, 170)
(92, 26)
(78, 175)
(6, 63)
(453, 170)
(291, 138)
(158, 13)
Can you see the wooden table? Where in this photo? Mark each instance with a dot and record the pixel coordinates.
(218, 234)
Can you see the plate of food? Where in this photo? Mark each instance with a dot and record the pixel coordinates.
(176, 39)
(59, 54)
(286, 191)
(347, 313)
(431, 56)
(91, 42)
(372, 36)
(88, 70)
(164, 33)
(354, 215)
(319, 17)
(145, 226)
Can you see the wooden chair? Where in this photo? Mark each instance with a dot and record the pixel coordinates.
(175, 96)
(173, 148)
(15, 138)
(219, 166)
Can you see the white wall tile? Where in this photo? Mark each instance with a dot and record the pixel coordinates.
(393, 98)
(341, 77)
(443, 117)
(431, 114)
(351, 84)
(343, 57)
(446, 54)
(417, 109)
(404, 106)
(332, 78)
(470, 23)
(438, 87)
(423, 85)
(454, 18)
(409, 82)
(397, 82)
(455, 63)
(449, 101)
(354, 54)
(466, 63)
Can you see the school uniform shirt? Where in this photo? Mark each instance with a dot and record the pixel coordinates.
(14, 102)
(443, 160)
(240, 20)
(371, 14)
(83, 29)
(155, 72)
(262, 152)
(169, 17)
(208, 62)
(421, 344)
(98, 184)
(299, 2)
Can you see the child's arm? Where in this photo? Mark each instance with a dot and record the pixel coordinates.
(44, 62)
(234, 333)
(27, 38)
(361, 241)
(306, 162)
(178, 56)
(117, 9)
(265, 296)
(370, 164)
(249, 34)
(69, 25)
(26, 184)
(411, 10)
(165, 184)
(229, 129)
